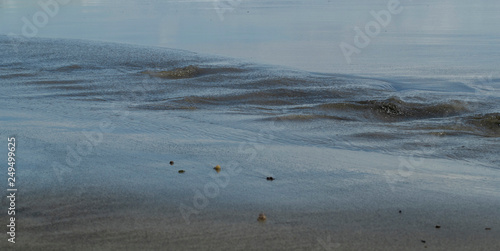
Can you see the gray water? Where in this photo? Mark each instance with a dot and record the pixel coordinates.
(448, 119)
(457, 39)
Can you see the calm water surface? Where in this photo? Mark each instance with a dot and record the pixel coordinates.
(452, 38)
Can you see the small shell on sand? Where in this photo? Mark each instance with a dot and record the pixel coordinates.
(217, 168)
(171, 162)
(262, 217)
(181, 171)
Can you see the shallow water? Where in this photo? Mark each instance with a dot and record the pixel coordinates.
(455, 119)
(322, 109)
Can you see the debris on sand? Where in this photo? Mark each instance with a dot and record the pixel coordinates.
(217, 168)
(262, 217)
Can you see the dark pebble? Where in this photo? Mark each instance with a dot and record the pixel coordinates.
(270, 178)
(171, 162)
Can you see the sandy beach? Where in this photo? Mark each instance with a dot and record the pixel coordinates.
(350, 217)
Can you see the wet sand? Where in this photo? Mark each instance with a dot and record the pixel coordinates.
(95, 223)
(358, 215)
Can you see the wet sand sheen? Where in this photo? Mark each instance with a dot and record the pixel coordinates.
(354, 216)
(121, 222)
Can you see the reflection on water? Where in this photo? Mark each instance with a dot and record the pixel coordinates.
(304, 34)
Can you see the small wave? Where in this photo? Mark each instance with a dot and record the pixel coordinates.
(306, 117)
(486, 124)
(160, 107)
(396, 109)
(376, 135)
(273, 97)
(234, 100)
(280, 81)
(264, 97)
(218, 70)
(69, 68)
(186, 72)
(68, 87)
(18, 75)
(55, 82)
(192, 71)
